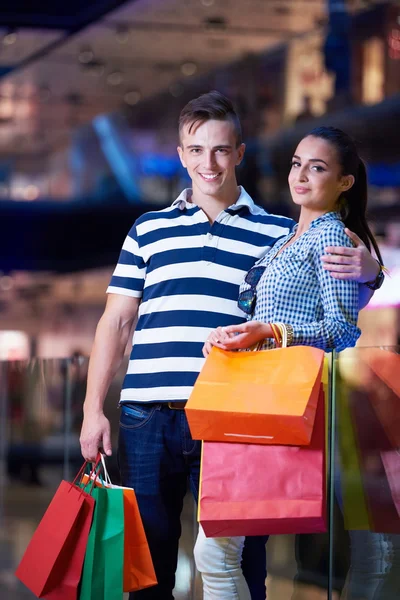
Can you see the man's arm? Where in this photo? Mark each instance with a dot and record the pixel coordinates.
(112, 334)
(355, 264)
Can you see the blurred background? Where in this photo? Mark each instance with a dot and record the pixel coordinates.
(90, 95)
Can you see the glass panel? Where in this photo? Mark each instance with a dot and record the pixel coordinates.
(366, 478)
(40, 406)
(40, 417)
(299, 565)
(40, 420)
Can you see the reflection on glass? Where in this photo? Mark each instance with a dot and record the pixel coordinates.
(366, 479)
(40, 410)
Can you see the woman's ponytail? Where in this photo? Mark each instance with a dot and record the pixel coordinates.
(353, 203)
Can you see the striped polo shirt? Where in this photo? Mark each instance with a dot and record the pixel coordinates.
(187, 273)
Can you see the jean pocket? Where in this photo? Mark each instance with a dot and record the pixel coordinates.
(135, 416)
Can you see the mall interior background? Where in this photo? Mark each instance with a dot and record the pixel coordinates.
(89, 102)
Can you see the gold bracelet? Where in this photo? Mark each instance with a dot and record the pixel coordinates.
(282, 328)
(276, 332)
(289, 333)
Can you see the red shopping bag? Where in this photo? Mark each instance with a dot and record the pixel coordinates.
(373, 445)
(386, 367)
(52, 564)
(251, 489)
(391, 464)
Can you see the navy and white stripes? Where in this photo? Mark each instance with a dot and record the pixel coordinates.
(187, 273)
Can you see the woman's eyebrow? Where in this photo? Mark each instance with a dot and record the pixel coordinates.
(312, 159)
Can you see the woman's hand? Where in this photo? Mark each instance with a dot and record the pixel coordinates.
(217, 338)
(237, 337)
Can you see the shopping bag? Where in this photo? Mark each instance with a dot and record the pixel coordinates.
(255, 489)
(266, 397)
(138, 565)
(52, 564)
(102, 577)
(372, 443)
(391, 464)
(386, 367)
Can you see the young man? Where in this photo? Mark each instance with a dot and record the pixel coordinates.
(179, 272)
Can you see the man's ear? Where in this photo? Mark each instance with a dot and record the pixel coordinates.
(180, 152)
(241, 151)
(347, 182)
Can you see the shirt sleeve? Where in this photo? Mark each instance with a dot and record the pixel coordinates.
(130, 273)
(338, 328)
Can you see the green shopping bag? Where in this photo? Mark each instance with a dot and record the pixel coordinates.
(102, 577)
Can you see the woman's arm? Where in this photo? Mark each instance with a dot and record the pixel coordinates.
(237, 337)
(338, 327)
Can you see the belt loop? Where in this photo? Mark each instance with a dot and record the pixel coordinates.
(177, 405)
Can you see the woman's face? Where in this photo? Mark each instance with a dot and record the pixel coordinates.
(315, 179)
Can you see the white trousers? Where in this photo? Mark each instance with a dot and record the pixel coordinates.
(219, 562)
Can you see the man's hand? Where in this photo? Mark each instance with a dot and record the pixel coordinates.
(95, 436)
(355, 264)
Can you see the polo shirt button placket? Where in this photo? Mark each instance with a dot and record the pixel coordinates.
(209, 248)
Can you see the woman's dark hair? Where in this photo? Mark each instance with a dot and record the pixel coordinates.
(353, 204)
(212, 105)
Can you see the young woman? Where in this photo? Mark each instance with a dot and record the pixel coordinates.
(288, 293)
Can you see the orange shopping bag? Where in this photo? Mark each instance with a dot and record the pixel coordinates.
(265, 397)
(138, 565)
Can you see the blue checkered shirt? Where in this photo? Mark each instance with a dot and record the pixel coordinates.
(296, 289)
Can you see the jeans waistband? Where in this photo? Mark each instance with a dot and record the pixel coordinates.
(174, 405)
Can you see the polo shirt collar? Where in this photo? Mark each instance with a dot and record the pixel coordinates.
(183, 201)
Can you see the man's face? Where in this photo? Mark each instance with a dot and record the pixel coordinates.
(210, 155)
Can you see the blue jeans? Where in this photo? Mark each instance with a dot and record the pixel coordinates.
(157, 456)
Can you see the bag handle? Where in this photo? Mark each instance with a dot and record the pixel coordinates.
(107, 478)
(81, 471)
(94, 470)
(280, 334)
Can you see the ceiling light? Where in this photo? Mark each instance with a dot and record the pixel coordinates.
(31, 192)
(7, 110)
(115, 78)
(208, 2)
(188, 68)
(176, 89)
(122, 34)
(132, 97)
(86, 55)
(10, 38)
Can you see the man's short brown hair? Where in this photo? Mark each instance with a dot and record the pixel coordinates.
(212, 105)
